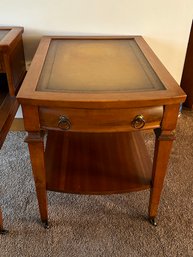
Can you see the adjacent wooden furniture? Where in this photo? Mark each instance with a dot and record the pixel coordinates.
(12, 72)
(85, 101)
(187, 75)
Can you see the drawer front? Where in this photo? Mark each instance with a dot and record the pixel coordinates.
(100, 120)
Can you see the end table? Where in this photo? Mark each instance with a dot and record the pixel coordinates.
(92, 97)
(12, 72)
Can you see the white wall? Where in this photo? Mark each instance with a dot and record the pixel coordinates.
(165, 24)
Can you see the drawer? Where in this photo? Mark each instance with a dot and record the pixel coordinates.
(100, 120)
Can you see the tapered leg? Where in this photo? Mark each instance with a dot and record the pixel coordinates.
(36, 149)
(163, 147)
(2, 230)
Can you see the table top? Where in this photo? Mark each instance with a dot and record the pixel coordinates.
(9, 37)
(97, 66)
(98, 70)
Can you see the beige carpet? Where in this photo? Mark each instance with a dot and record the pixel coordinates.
(98, 226)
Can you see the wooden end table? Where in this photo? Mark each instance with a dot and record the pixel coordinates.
(12, 72)
(92, 97)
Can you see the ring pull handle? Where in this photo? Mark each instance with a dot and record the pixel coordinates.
(64, 123)
(138, 122)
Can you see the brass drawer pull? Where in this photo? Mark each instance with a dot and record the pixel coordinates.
(64, 123)
(138, 122)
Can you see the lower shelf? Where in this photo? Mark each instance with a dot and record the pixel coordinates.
(89, 163)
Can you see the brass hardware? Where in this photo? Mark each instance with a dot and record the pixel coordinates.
(64, 123)
(46, 225)
(153, 221)
(138, 122)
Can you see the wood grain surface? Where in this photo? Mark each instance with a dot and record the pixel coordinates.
(97, 163)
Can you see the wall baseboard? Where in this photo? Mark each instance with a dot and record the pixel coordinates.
(17, 125)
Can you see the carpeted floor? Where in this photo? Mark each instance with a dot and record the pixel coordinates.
(98, 226)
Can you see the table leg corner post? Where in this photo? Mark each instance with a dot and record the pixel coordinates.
(35, 142)
(163, 145)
